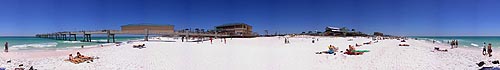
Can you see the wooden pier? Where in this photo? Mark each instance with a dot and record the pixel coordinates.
(87, 35)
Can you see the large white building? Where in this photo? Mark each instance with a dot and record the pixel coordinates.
(332, 29)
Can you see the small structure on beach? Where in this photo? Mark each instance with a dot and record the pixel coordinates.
(143, 27)
(235, 29)
(378, 34)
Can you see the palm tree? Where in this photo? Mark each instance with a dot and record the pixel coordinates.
(186, 30)
(197, 30)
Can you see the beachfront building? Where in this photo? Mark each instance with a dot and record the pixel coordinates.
(333, 31)
(235, 29)
(151, 28)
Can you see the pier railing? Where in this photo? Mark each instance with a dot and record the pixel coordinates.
(87, 35)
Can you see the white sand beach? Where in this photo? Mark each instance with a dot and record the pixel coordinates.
(261, 53)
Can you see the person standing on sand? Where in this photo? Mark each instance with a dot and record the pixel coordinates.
(452, 43)
(182, 38)
(6, 46)
(224, 40)
(285, 40)
(288, 40)
(313, 41)
(211, 40)
(489, 49)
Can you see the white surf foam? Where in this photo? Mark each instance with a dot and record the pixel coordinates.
(72, 42)
(36, 45)
(473, 44)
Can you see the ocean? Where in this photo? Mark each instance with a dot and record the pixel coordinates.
(464, 41)
(34, 43)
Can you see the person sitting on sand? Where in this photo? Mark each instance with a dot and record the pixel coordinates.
(78, 55)
(352, 51)
(331, 50)
(70, 57)
(74, 60)
(351, 48)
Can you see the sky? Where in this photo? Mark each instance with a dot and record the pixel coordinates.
(394, 17)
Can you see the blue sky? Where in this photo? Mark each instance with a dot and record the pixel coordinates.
(396, 17)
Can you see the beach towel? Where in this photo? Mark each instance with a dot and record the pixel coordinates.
(361, 50)
(354, 53)
(2, 68)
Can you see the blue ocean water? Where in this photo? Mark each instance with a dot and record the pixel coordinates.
(464, 41)
(34, 43)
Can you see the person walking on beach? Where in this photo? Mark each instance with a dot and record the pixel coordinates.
(484, 48)
(6, 47)
(489, 49)
(224, 40)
